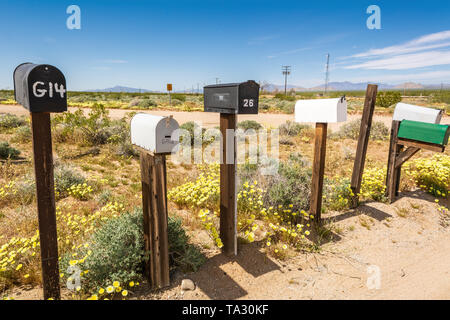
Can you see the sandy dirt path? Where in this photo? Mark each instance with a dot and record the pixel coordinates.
(212, 119)
(412, 254)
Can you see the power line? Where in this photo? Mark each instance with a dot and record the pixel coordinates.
(327, 74)
(286, 70)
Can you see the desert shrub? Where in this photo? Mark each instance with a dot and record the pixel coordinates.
(351, 130)
(120, 139)
(249, 124)
(134, 103)
(191, 127)
(65, 178)
(178, 96)
(290, 128)
(20, 192)
(432, 174)
(105, 197)
(176, 102)
(204, 192)
(373, 184)
(183, 254)
(291, 186)
(147, 103)
(337, 193)
(9, 121)
(22, 134)
(286, 107)
(94, 127)
(283, 97)
(115, 252)
(286, 141)
(247, 172)
(385, 99)
(8, 152)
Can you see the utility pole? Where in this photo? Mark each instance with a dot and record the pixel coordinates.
(327, 74)
(217, 80)
(286, 70)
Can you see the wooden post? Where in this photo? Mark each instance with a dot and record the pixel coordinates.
(363, 141)
(45, 195)
(228, 204)
(320, 147)
(154, 207)
(392, 173)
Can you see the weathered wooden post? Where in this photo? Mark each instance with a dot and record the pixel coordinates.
(416, 128)
(230, 100)
(156, 137)
(363, 142)
(321, 112)
(41, 89)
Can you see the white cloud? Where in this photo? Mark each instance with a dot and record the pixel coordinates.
(417, 53)
(426, 42)
(406, 61)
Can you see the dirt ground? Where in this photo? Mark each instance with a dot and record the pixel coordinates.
(409, 251)
(405, 243)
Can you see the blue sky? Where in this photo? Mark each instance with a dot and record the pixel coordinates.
(146, 44)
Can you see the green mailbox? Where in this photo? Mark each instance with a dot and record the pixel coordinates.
(424, 132)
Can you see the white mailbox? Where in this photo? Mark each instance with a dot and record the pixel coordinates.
(411, 112)
(154, 133)
(321, 110)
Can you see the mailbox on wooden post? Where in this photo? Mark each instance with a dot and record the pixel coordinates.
(322, 112)
(155, 136)
(230, 100)
(415, 128)
(41, 89)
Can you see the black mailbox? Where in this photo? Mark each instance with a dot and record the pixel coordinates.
(234, 98)
(40, 88)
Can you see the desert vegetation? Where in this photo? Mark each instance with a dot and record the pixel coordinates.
(98, 193)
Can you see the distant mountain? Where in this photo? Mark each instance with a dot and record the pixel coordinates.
(332, 86)
(350, 86)
(120, 89)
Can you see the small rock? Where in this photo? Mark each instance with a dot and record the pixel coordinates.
(187, 285)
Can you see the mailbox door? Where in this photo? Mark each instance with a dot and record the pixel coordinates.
(221, 99)
(46, 89)
(248, 97)
(164, 131)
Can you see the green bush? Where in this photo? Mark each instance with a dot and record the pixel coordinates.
(182, 254)
(290, 128)
(337, 194)
(94, 128)
(22, 134)
(147, 103)
(65, 177)
(178, 96)
(385, 99)
(291, 185)
(286, 107)
(283, 97)
(117, 251)
(351, 130)
(249, 124)
(8, 152)
(9, 121)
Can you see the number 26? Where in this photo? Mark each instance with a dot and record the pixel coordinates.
(248, 103)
